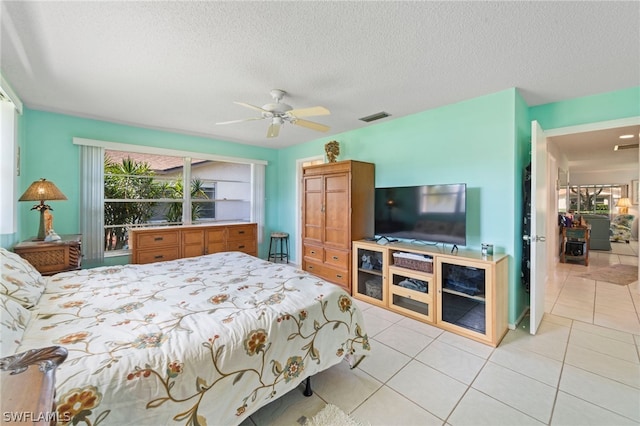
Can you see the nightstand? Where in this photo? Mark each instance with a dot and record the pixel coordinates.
(51, 257)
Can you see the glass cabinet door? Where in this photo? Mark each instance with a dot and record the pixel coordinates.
(463, 296)
(369, 274)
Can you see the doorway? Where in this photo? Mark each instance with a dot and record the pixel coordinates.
(566, 278)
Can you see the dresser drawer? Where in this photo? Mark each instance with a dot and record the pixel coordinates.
(159, 255)
(241, 232)
(147, 240)
(338, 258)
(313, 252)
(334, 275)
(247, 246)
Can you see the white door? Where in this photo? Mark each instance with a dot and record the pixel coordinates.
(539, 192)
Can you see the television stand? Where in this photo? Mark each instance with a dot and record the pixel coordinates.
(455, 247)
(463, 292)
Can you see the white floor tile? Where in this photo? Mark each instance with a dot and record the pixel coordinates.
(604, 345)
(523, 393)
(538, 367)
(383, 362)
(600, 391)
(572, 411)
(479, 409)
(343, 387)
(430, 389)
(454, 362)
(404, 340)
(604, 365)
(387, 407)
(468, 345)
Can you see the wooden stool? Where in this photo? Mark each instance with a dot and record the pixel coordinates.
(283, 253)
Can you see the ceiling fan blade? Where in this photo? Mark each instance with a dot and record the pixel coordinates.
(244, 104)
(240, 121)
(273, 131)
(309, 112)
(311, 125)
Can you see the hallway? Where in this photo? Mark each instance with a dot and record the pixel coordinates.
(596, 302)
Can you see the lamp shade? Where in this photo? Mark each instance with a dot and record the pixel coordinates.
(623, 202)
(42, 190)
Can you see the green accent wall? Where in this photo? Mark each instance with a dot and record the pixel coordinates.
(589, 109)
(472, 142)
(48, 151)
(483, 142)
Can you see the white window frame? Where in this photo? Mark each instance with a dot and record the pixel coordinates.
(10, 108)
(257, 179)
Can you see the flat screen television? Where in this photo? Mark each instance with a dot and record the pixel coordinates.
(434, 213)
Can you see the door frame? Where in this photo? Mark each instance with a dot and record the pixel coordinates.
(581, 128)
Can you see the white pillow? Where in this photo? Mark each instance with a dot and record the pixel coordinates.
(19, 279)
(14, 319)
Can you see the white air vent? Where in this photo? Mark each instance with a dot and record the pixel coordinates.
(374, 117)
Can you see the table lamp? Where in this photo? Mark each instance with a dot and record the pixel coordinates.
(42, 190)
(624, 204)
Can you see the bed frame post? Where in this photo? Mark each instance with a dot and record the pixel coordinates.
(307, 389)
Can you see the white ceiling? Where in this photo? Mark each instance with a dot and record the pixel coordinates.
(180, 66)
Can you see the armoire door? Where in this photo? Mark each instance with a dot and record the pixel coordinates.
(337, 211)
(312, 215)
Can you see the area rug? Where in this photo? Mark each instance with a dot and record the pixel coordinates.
(616, 274)
(331, 415)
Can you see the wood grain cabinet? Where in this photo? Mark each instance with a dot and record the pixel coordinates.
(176, 242)
(51, 257)
(337, 208)
(463, 292)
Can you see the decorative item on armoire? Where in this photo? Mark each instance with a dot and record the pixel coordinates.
(332, 149)
(42, 190)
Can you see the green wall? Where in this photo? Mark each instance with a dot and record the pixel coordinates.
(589, 109)
(48, 151)
(470, 142)
(483, 142)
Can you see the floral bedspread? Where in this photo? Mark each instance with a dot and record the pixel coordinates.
(204, 340)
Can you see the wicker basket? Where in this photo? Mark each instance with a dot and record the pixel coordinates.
(413, 261)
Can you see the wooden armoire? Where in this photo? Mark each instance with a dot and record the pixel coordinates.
(337, 208)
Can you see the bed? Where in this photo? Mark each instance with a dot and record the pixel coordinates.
(204, 340)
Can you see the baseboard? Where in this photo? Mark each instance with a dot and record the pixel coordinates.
(519, 320)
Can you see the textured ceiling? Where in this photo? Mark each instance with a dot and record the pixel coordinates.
(180, 65)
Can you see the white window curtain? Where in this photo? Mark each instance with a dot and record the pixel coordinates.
(258, 198)
(92, 203)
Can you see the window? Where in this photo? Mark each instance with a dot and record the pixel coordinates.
(139, 189)
(149, 190)
(598, 199)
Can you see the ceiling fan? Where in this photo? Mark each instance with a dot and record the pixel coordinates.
(279, 113)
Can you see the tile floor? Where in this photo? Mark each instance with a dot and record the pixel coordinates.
(582, 368)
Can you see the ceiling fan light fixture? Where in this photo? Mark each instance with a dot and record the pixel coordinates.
(279, 113)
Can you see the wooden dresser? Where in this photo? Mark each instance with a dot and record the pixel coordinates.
(337, 208)
(51, 257)
(28, 387)
(175, 242)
